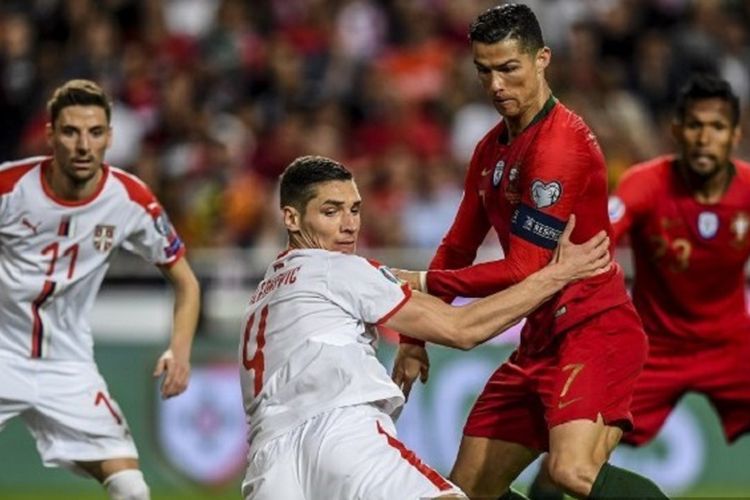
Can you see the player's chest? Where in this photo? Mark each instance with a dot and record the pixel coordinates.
(47, 235)
(693, 236)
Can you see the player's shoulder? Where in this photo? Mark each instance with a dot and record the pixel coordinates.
(651, 170)
(742, 168)
(567, 123)
(135, 189)
(492, 137)
(11, 172)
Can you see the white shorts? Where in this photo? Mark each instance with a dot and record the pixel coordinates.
(350, 453)
(67, 408)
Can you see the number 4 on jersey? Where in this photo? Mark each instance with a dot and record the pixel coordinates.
(257, 363)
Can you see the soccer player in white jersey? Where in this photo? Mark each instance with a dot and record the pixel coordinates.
(61, 217)
(320, 406)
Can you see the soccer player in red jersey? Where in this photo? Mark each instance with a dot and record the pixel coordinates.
(567, 389)
(688, 218)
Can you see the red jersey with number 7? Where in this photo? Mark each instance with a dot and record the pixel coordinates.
(689, 256)
(526, 191)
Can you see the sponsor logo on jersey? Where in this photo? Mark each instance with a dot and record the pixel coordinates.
(104, 237)
(615, 209)
(545, 194)
(201, 433)
(708, 224)
(536, 227)
(497, 175)
(739, 227)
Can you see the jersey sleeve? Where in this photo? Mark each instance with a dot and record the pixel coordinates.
(628, 203)
(366, 289)
(551, 185)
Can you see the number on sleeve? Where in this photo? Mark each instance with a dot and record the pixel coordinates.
(257, 363)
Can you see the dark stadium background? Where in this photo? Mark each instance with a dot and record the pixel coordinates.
(212, 98)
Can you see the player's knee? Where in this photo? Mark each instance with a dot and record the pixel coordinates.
(575, 475)
(127, 484)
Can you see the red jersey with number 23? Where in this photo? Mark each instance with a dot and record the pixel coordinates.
(689, 256)
(526, 191)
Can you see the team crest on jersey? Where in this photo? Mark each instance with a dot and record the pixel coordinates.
(497, 175)
(104, 237)
(708, 225)
(200, 433)
(615, 209)
(545, 194)
(739, 226)
(512, 191)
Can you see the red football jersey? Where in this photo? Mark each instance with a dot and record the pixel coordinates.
(526, 191)
(689, 256)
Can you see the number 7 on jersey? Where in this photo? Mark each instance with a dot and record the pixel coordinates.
(257, 362)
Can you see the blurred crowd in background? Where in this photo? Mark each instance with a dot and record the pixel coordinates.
(213, 98)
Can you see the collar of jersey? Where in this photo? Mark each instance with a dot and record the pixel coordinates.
(551, 101)
(70, 203)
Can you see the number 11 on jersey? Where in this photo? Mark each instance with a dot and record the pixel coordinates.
(257, 362)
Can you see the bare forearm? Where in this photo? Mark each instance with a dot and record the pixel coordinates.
(490, 316)
(185, 320)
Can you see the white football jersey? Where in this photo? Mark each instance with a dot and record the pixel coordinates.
(308, 340)
(54, 254)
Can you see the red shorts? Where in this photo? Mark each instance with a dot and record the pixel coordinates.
(720, 372)
(587, 371)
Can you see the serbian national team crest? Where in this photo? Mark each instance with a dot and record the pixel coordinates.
(104, 237)
(545, 194)
(497, 175)
(708, 224)
(202, 433)
(739, 227)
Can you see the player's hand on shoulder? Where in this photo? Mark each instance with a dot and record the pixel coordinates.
(574, 262)
(176, 371)
(411, 362)
(413, 278)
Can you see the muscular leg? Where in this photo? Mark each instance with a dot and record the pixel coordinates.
(120, 476)
(578, 463)
(486, 467)
(543, 488)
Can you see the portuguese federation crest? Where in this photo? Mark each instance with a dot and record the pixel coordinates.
(708, 224)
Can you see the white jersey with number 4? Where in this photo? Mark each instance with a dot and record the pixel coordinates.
(54, 254)
(308, 342)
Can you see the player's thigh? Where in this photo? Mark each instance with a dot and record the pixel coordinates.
(509, 409)
(272, 471)
(582, 442)
(354, 453)
(487, 467)
(75, 419)
(17, 388)
(664, 380)
(595, 370)
(728, 387)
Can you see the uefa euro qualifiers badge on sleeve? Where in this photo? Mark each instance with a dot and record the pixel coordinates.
(545, 194)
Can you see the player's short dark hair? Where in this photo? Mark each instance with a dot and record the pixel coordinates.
(508, 22)
(78, 93)
(300, 178)
(707, 86)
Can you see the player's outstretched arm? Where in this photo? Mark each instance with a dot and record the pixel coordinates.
(428, 318)
(174, 363)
